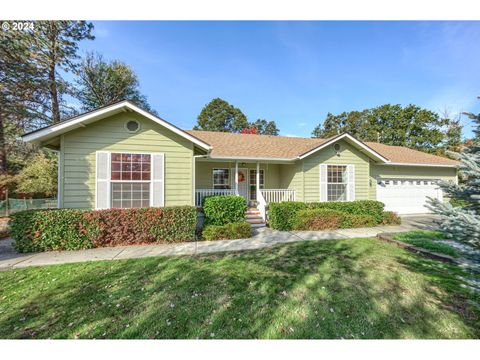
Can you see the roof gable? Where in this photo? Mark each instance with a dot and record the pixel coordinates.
(269, 147)
(63, 127)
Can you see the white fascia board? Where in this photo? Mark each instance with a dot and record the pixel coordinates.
(421, 165)
(78, 121)
(243, 158)
(351, 138)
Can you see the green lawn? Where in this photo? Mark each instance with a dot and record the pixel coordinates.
(358, 288)
(429, 240)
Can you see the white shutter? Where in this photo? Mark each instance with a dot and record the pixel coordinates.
(351, 182)
(158, 175)
(323, 182)
(102, 191)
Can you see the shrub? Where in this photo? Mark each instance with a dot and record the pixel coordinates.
(42, 230)
(115, 227)
(221, 210)
(281, 216)
(237, 230)
(318, 219)
(358, 207)
(357, 221)
(70, 229)
(390, 218)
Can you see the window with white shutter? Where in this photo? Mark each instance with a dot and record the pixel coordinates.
(158, 166)
(351, 182)
(323, 182)
(102, 182)
(129, 180)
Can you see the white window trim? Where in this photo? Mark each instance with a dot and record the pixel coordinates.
(346, 183)
(229, 177)
(255, 183)
(110, 181)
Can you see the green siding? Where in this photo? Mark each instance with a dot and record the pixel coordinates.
(78, 153)
(410, 172)
(291, 177)
(347, 155)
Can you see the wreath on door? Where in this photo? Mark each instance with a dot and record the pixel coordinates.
(241, 177)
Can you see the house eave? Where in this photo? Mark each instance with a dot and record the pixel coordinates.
(419, 165)
(372, 153)
(249, 159)
(50, 132)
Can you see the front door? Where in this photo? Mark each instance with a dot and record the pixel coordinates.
(242, 182)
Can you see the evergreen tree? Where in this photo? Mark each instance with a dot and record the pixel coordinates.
(102, 82)
(55, 45)
(409, 126)
(219, 115)
(463, 223)
(265, 127)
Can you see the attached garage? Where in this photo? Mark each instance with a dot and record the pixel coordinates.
(407, 196)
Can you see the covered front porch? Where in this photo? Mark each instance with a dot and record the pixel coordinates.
(260, 183)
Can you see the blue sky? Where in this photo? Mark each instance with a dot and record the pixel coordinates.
(296, 72)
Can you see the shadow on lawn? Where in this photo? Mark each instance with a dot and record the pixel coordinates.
(329, 289)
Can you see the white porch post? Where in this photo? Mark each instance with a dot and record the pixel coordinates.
(236, 177)
(257, 180)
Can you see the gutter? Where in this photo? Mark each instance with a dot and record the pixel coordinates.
(414, 164)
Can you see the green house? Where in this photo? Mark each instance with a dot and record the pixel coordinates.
(121, 156)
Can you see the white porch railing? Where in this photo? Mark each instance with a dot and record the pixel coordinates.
(277, 195)
(261, 205)
(201, 193)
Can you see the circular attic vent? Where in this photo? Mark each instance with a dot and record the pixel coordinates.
(336, 147)
(132, 126)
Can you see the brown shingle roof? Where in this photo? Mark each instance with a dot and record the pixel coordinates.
(248, 145)
(401, 154)
(283, 147)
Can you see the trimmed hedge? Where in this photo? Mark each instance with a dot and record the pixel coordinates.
(225, 209)
(358, 221)
(327, 219)
(318, 219)
(237, 230)
(70, 229)
(359, 207)
(390, 218)
(282, 216)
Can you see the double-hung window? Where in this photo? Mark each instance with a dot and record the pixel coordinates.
(221, 179)
(130, 180)
(337, 181)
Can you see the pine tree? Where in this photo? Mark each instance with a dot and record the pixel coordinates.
(463, 223)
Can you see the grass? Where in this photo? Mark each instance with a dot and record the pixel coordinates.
(355, 288)
(427, 239)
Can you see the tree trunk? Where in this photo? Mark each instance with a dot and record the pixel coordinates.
(52, 79)
(54, 94)
(3, 149)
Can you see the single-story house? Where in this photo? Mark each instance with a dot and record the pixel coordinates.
(121, 156)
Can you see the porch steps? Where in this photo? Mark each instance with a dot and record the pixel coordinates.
(253, 217)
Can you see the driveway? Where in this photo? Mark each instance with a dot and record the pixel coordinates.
(263, 237)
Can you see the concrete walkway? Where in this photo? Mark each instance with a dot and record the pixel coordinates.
(263, 237)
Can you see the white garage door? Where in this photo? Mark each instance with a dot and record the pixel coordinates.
(407, 196)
